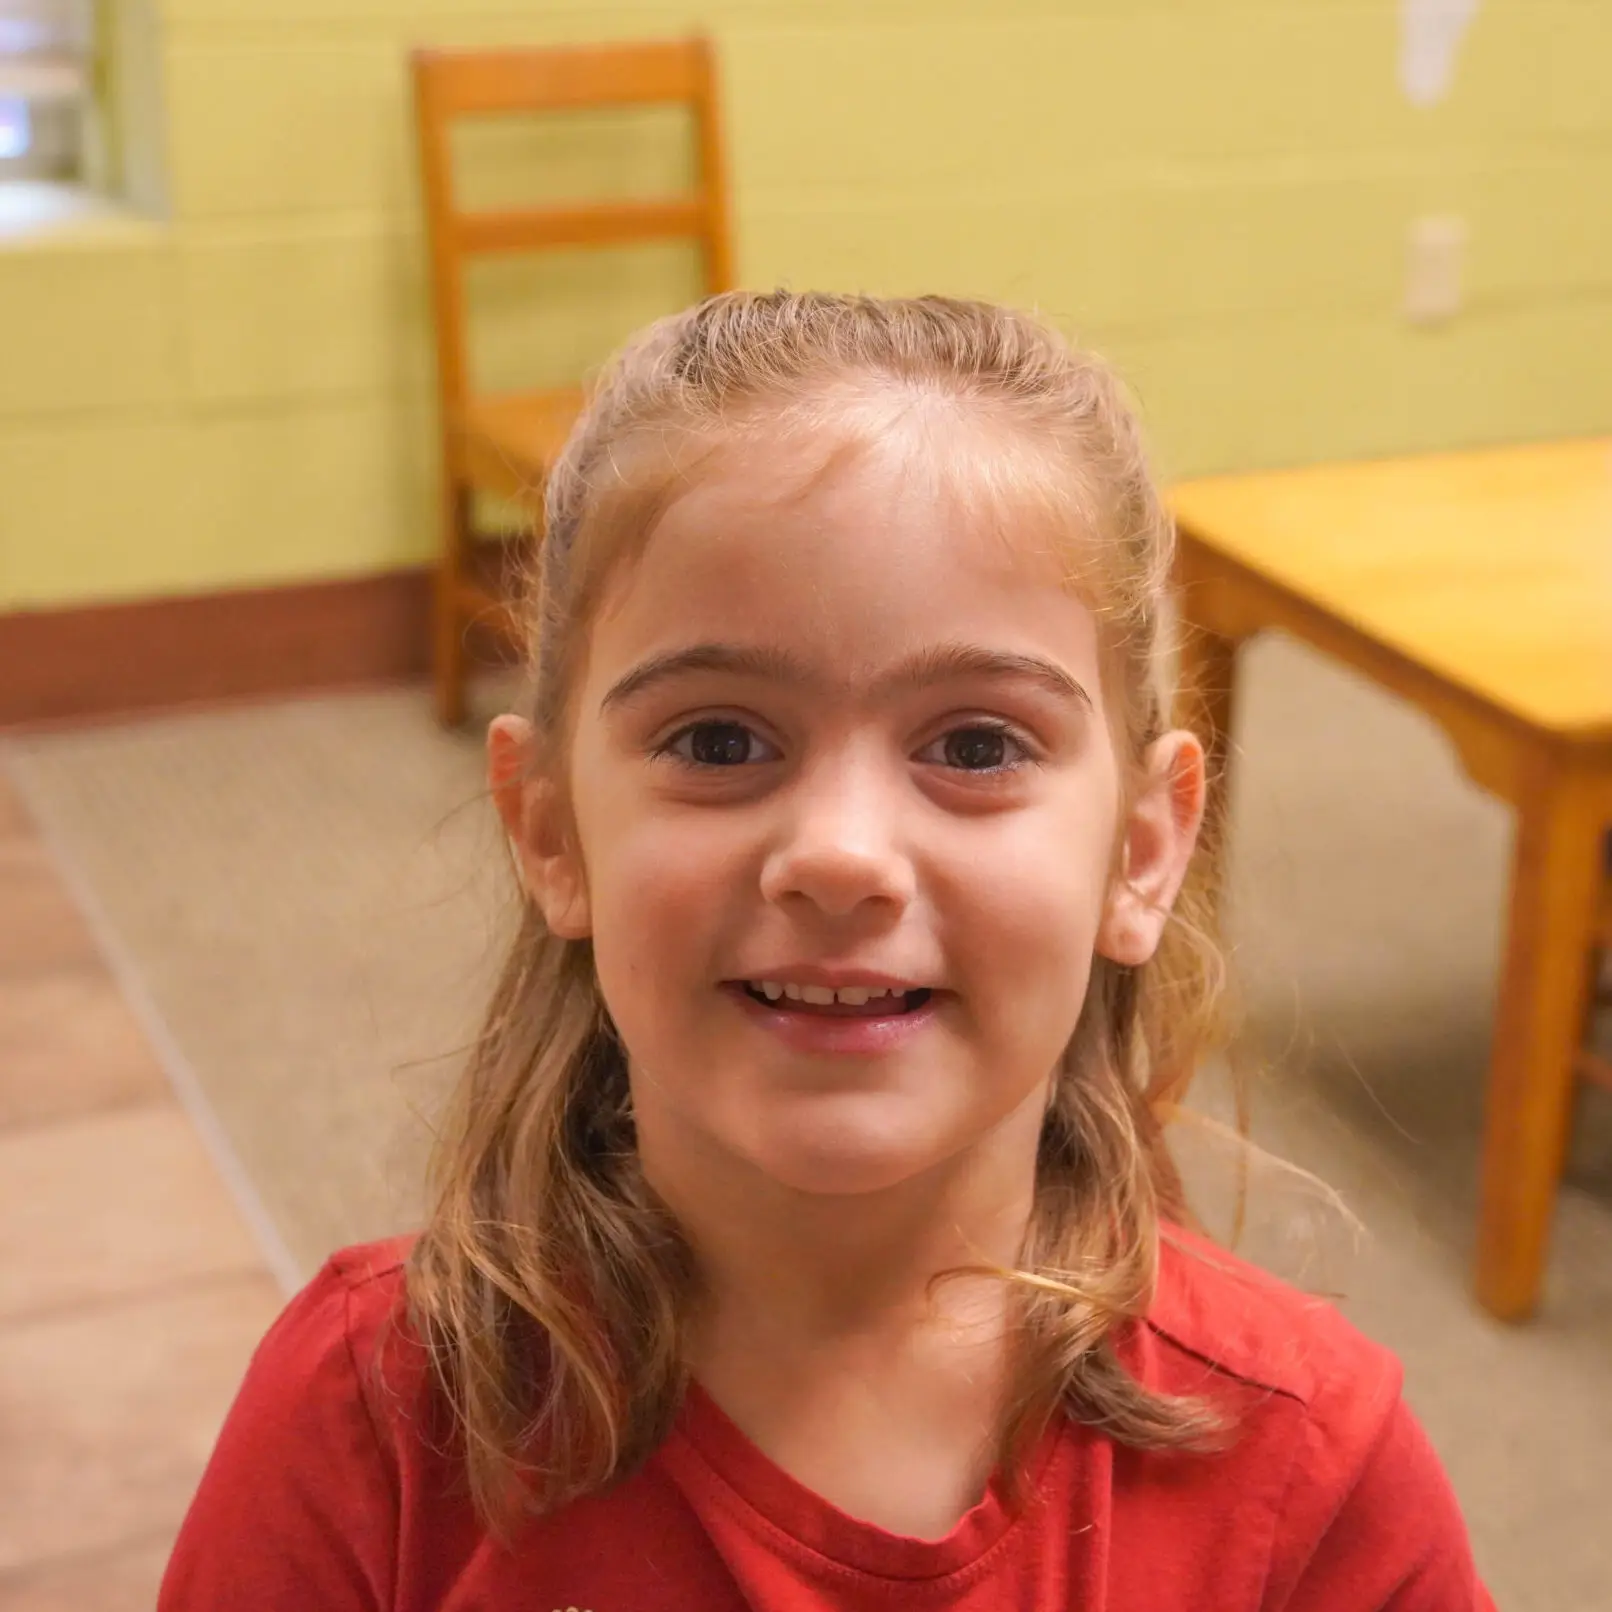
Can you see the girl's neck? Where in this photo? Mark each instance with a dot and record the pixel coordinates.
(826, 1339)
(839, 1272)
(832, 1268)
(821, 1330)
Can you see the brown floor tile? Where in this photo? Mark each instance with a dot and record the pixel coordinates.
(107, 1417)
(116, 1204)
(69, 1045)
(14, 819)
(40, 928)
(120, 1580)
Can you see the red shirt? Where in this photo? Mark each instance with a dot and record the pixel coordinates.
(328, 1492)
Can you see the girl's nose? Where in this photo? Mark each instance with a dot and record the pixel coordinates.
(840, 850)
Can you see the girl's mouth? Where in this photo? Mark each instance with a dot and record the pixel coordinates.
(847, 1002)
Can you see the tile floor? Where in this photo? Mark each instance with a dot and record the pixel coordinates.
(131, 1291)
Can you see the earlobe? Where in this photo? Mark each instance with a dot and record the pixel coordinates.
(556, 883)
(547, 861)
(1157, 841)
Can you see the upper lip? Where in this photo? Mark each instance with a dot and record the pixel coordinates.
(834, 978)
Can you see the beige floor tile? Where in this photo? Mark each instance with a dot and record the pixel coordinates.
(69, 1045)
(14, 817)
(107, 1416)
(119, 1580)
(116, 1204)
(40, 928)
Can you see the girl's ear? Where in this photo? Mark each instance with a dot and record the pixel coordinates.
(539, 829)
(1157, 839)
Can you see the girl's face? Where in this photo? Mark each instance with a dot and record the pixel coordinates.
(845, 739)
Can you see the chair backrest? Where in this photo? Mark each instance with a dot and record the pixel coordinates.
(453, 84)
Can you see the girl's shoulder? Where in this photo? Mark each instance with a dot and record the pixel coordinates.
(1230, 1315)
(372, 1277)
(356, 1309)
(352, 1313)
(334, 1421)
(1320, 1423)
(343, 1355)
(1336, 1491)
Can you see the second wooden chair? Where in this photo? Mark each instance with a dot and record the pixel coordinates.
(504, 443)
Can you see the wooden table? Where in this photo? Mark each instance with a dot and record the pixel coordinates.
(1479, 587)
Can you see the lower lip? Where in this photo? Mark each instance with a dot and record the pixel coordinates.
(834, 1036)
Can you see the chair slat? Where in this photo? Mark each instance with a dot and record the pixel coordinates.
(561, 79)
(526, 229)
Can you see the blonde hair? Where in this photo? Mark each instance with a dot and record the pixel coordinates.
(550, 1285)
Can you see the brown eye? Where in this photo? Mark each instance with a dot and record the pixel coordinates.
(718, 744)
(980, 747)
(976, 749)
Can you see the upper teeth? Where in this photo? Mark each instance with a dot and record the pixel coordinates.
(822, 995)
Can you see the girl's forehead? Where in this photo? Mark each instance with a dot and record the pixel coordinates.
(942, 483)
(853, 555)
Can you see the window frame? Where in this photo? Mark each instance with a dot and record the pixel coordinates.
(55, 76)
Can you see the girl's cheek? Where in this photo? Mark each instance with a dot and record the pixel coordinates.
(655, 876)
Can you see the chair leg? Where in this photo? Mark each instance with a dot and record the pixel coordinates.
(448, 623)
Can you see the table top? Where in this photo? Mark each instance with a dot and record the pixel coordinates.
(1491, 568)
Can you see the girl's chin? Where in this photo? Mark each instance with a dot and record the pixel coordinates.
(845, 1144)
(845, 1166)
(838, 1178)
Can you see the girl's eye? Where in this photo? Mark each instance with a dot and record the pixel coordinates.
(717, 744)
(978, 747)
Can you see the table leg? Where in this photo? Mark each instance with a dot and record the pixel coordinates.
(1544, 988)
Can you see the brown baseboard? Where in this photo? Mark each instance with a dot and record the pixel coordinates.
(95, 661)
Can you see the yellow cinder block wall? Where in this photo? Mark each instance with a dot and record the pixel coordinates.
(1215, 193)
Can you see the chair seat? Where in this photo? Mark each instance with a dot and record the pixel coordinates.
(508, 442)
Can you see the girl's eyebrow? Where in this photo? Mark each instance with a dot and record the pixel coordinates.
(936, 664)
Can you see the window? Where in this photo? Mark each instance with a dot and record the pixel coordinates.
(45, 68)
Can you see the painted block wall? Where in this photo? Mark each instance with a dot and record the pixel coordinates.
(1214, 192)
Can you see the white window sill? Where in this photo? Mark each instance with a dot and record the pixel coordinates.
(39, 212)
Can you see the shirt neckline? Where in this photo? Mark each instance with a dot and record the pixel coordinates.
(789, 1513)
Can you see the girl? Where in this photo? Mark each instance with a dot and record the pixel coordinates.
(805, 1233)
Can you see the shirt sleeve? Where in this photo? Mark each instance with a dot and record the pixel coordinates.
(298, 1506)
(1395, 1543)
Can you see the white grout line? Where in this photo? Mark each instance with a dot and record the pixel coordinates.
(175, 1065)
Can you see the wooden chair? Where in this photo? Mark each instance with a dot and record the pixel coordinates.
(504, 443)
